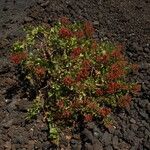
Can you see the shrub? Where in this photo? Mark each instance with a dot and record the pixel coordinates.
(82, 76)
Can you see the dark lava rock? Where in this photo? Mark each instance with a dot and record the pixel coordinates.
(8, 124)
(115, 142)
(87, 135)
(143, 114)
(97, 145)
(45, 3)
(22, 105)
(129, 136)
(28, 19)
(31, 144)
(106, 139)
(8, 145)
(88, 146)
(132, 121)
(46, 145)
(75, 144)
(147, 144)
(109, 147)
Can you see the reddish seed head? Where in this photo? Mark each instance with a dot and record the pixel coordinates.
(86, 64)
(65, 33)
(104, 111)
(68, 81)
(79, 34)
(75, 52)
(65, 20)
(116, 71)
(124, 101)
(83, 74)
(102, 59)
(40, 71)
(88, 29)
(99, 92)
(117, 54)
(87, 118)
(113, 87)
(18, 57)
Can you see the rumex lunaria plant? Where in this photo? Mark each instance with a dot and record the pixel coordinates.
(84, 77)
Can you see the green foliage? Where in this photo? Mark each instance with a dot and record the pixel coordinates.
(84, 76)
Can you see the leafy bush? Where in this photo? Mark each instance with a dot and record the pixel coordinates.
(81, 76)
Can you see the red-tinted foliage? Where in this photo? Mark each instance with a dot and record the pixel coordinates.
(68, 81)
(83, 74)
(116, 71)
(79, 34)
(18, 57)
(104, 111)
(91, 105)
(88, 118)
(113, 87)
(103, 59)
(65, 21)
(86, 64)
(99, 92)
(117, 54)
(65, 33)
(75, 52)
(40, 71)
(88, 29)
(124, 101)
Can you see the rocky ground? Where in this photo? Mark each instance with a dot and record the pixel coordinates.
(124, 21)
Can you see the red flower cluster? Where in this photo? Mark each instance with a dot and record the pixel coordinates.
(103, 59)
(104, 111)
(124, 101)
(40, 71)
(79, 34)
(83, 73)
(75, 52)
(18, 57)
(117, 54)
(85, 70)
(86, 64)
(68, 81)
(113, 87)
(65, 33)
(99, 92)
(116, 71)
(88, 118)
(88, 29)
(64, 21)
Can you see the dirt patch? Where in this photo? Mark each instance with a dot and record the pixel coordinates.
(126, 22)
